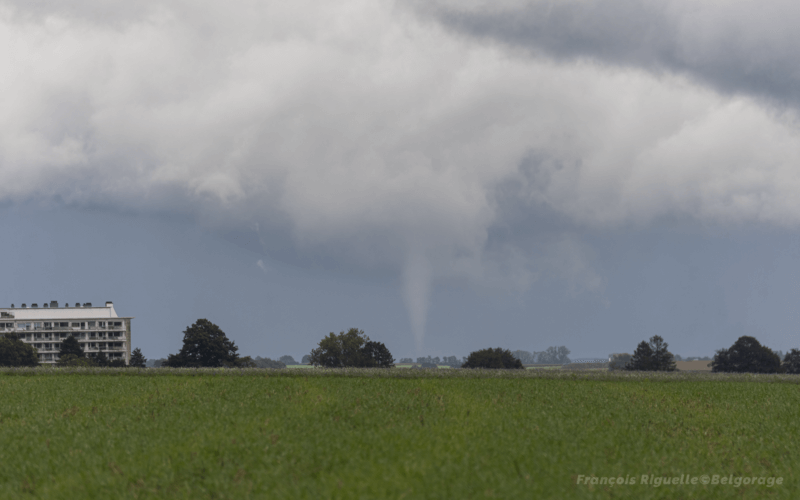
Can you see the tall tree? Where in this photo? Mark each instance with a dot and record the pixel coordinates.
(642, 359)
(70, 345)
(204, 345)
(652, 356)
(791, 362)
(351, 349)
(746, 355)
(14, 352)
(137, 359)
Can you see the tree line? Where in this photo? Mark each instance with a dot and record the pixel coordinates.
(206, 345)
(746, 355)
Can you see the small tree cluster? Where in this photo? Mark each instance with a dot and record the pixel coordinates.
(71, 354)
(452, 361)
(288, 360)
(554, 355)
(492, 358)
(351, 349)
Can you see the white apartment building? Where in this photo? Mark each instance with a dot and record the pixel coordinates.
(96, 328)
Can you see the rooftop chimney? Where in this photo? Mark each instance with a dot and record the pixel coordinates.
(24, 306)
(77, 304)
(44, 304)
(35, 305)
(53, 303)
(109, 303)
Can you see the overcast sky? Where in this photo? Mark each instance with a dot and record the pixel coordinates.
(447, 175)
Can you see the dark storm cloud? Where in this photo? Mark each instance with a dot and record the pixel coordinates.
(360, 133)
(744, 46)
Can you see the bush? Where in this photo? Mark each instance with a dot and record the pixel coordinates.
(652, 356)
(791, 362)
(268, 363)
(74, 360)
(492, 358)
(746, 355)
(351, 349)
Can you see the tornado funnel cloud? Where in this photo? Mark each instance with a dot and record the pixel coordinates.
(416, 294)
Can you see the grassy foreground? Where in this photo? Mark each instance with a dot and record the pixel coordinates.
(297, 434)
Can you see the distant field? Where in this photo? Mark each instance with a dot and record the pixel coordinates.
(391, 433)
(693, 365)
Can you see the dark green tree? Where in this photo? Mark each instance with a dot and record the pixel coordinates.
(116, 363)
(137, 359)
(791, 362)
(70, 345)
(652, 356)
(492, 358)
(204, 345)
(351, 349)
(306, 359)
(101, 359)
(14, 352)
(746, 355)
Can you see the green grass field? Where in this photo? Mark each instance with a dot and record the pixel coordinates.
(390, 434)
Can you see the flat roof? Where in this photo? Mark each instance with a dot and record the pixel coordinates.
(45, 313)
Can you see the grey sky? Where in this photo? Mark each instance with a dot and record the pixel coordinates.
(448, 173)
